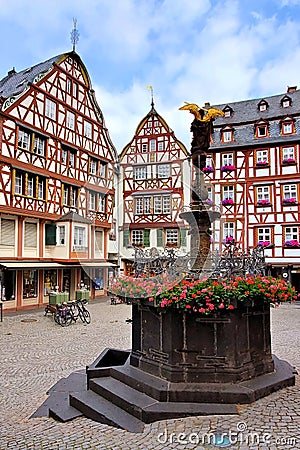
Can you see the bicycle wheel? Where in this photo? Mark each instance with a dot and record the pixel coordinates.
(85, 316)
(64, 320)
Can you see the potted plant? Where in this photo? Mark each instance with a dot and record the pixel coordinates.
(262, 163)
(289, 201)
(288, 161)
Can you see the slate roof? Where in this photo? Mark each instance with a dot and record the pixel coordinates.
(246, 113)
(14, 83)
(73, 216)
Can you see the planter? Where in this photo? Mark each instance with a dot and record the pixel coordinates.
(60, 297)
(82, 295)
(228, 347)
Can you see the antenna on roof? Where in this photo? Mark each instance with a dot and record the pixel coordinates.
(151, 89)
(74, 35)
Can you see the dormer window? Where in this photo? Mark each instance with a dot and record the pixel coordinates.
(228, 111)
(287, 126)
(261, 129)
(263, 105)
(227, 134)
(286, 101)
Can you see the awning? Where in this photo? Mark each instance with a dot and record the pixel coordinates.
(20, 265)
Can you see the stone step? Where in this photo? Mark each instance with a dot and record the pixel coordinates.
(147, 409)
(142, 381)
(101, 410)
(122, 395)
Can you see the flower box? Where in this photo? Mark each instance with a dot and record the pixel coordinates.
(229, 240)
(263, 203)
(289, 201)
(228, 201)
(262, 163)
(208, 169)
(292, 244)
(265, 244)
(288, 161)
(228, 168)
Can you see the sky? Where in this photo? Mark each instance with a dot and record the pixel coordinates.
(216, 51)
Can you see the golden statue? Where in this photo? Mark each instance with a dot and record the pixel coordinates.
(201, 127)
(199, 112)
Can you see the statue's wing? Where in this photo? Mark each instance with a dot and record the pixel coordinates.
(212, 113)
(192, 108)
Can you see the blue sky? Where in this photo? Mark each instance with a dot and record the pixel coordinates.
(197, 51)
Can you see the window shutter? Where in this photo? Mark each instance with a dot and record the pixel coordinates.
(147, 238)
(50, 234)
(30, 235)
(98, 241)
(159, 237)
(126, 236)
(7, 232)
(183, 237)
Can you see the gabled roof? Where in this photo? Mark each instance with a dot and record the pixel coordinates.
(152, 113)
(15, 82)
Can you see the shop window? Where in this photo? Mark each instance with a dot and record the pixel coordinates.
(30, 283)
(8, 285)
(50, 281)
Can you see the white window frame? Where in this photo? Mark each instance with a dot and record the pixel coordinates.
(262, 156)
(290, 191)
(291, 233)
(61, 235)
(92, 201)
(39, 145)
(228, 192)
(227, 135)
(79, 236)
(50, 109)
(140, 173)
(70, 120)
(288, 152)
(262, 130)
(161, 146)
(147, 205)
(287, 128)
(264, 234)
(172, 236)
(163, 171)
(87, 129)
(227, 159)
(228, 230)
(41, 189)
(30, 185)
(19, 184)
(93, 166)
(152, 145)
(263, 193)
(102, 203)
(24, 140)
(139, 205)
(137, 237)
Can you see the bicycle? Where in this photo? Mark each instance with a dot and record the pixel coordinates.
(78, 309)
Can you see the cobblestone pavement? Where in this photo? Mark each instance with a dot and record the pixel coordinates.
(35, 353)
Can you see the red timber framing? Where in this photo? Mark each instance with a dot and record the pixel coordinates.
(262, 179)
(56, 158)
(155, 188)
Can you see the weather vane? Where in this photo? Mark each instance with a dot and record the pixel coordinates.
(74, 35)
(151, 89)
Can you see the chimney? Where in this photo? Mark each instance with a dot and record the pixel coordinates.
(11, 72)
(291, 89)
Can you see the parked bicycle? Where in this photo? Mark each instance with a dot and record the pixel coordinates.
(66, 313)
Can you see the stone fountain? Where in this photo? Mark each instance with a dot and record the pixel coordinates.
(180, 364)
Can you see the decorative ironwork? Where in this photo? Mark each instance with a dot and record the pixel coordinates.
(232, 261)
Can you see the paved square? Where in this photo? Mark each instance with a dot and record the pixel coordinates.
(35, 353)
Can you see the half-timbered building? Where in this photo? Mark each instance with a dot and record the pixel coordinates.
(57, 167)
(154, 186)
(253, 175)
